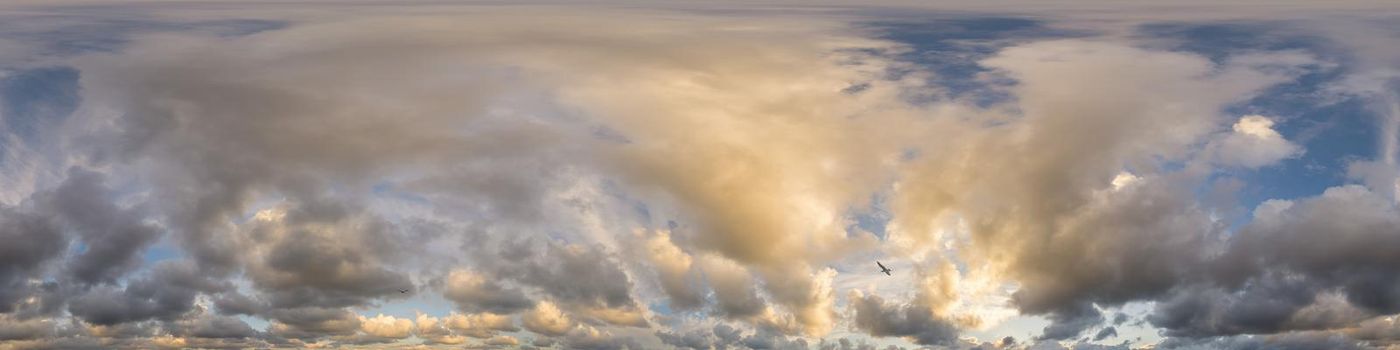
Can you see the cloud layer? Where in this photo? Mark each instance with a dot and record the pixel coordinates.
(687, 177)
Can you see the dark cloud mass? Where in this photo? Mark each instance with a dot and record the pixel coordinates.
(166, 292)
(112, 237)
(879, 318)
(711, 176)
(31, 240)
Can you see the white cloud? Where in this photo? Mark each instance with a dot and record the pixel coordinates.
(1254, 143)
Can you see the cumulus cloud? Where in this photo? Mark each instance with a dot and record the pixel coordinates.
(482, 325)
(1284, 266)
(547, 319)
(734, 287)
(386, 326)
(1254, 143)
(874, 315)
(113, 236)
(313, 322)
(321, 254)
(1038, 204)
(676, 270)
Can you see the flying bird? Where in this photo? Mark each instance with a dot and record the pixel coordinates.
(884, 269)
(403, 291)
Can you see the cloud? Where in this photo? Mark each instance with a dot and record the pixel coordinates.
(1289, 237)
(874, 315)
(1288, 341)
(234, 303)
(676, 271)
(243, 128)
(576, 274)
(386, 326)
(1037, 204)
(925, 320)
(213, 327)
(313, 322)
(699, 339)
(1254, 143)
(1072, 321)
(299, 253)
(36, 240)
(113, 236)
(1281, 270)
(734, 287)
(503, 340)
(321, 254)
(483, 325)
(167, 292)
(14, 329)
(455, 328)
(768, 339)
(683, 177)
(1105, 333)
(589, 338)
(472, 292)
(546, 319)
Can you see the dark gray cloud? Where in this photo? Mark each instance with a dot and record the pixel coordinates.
(1284, 341)
(1335, 240)
(1314, 264)
(112, 237)
(697, 340)
(476, 293)
(543, 342)
(845, 344)
(235, 303)
(1072, 321)
(166, 292)
(1263, 306)
(726, 334)
(572, 275)
(1120, 318)
(916, 322)
(211, 326)
(31, 240)
(723, 336)
(1120, 268)
(322, 253)
(588, 338)
(767, 339)
(1106, 333)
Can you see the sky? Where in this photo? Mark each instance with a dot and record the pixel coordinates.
(723, 175)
